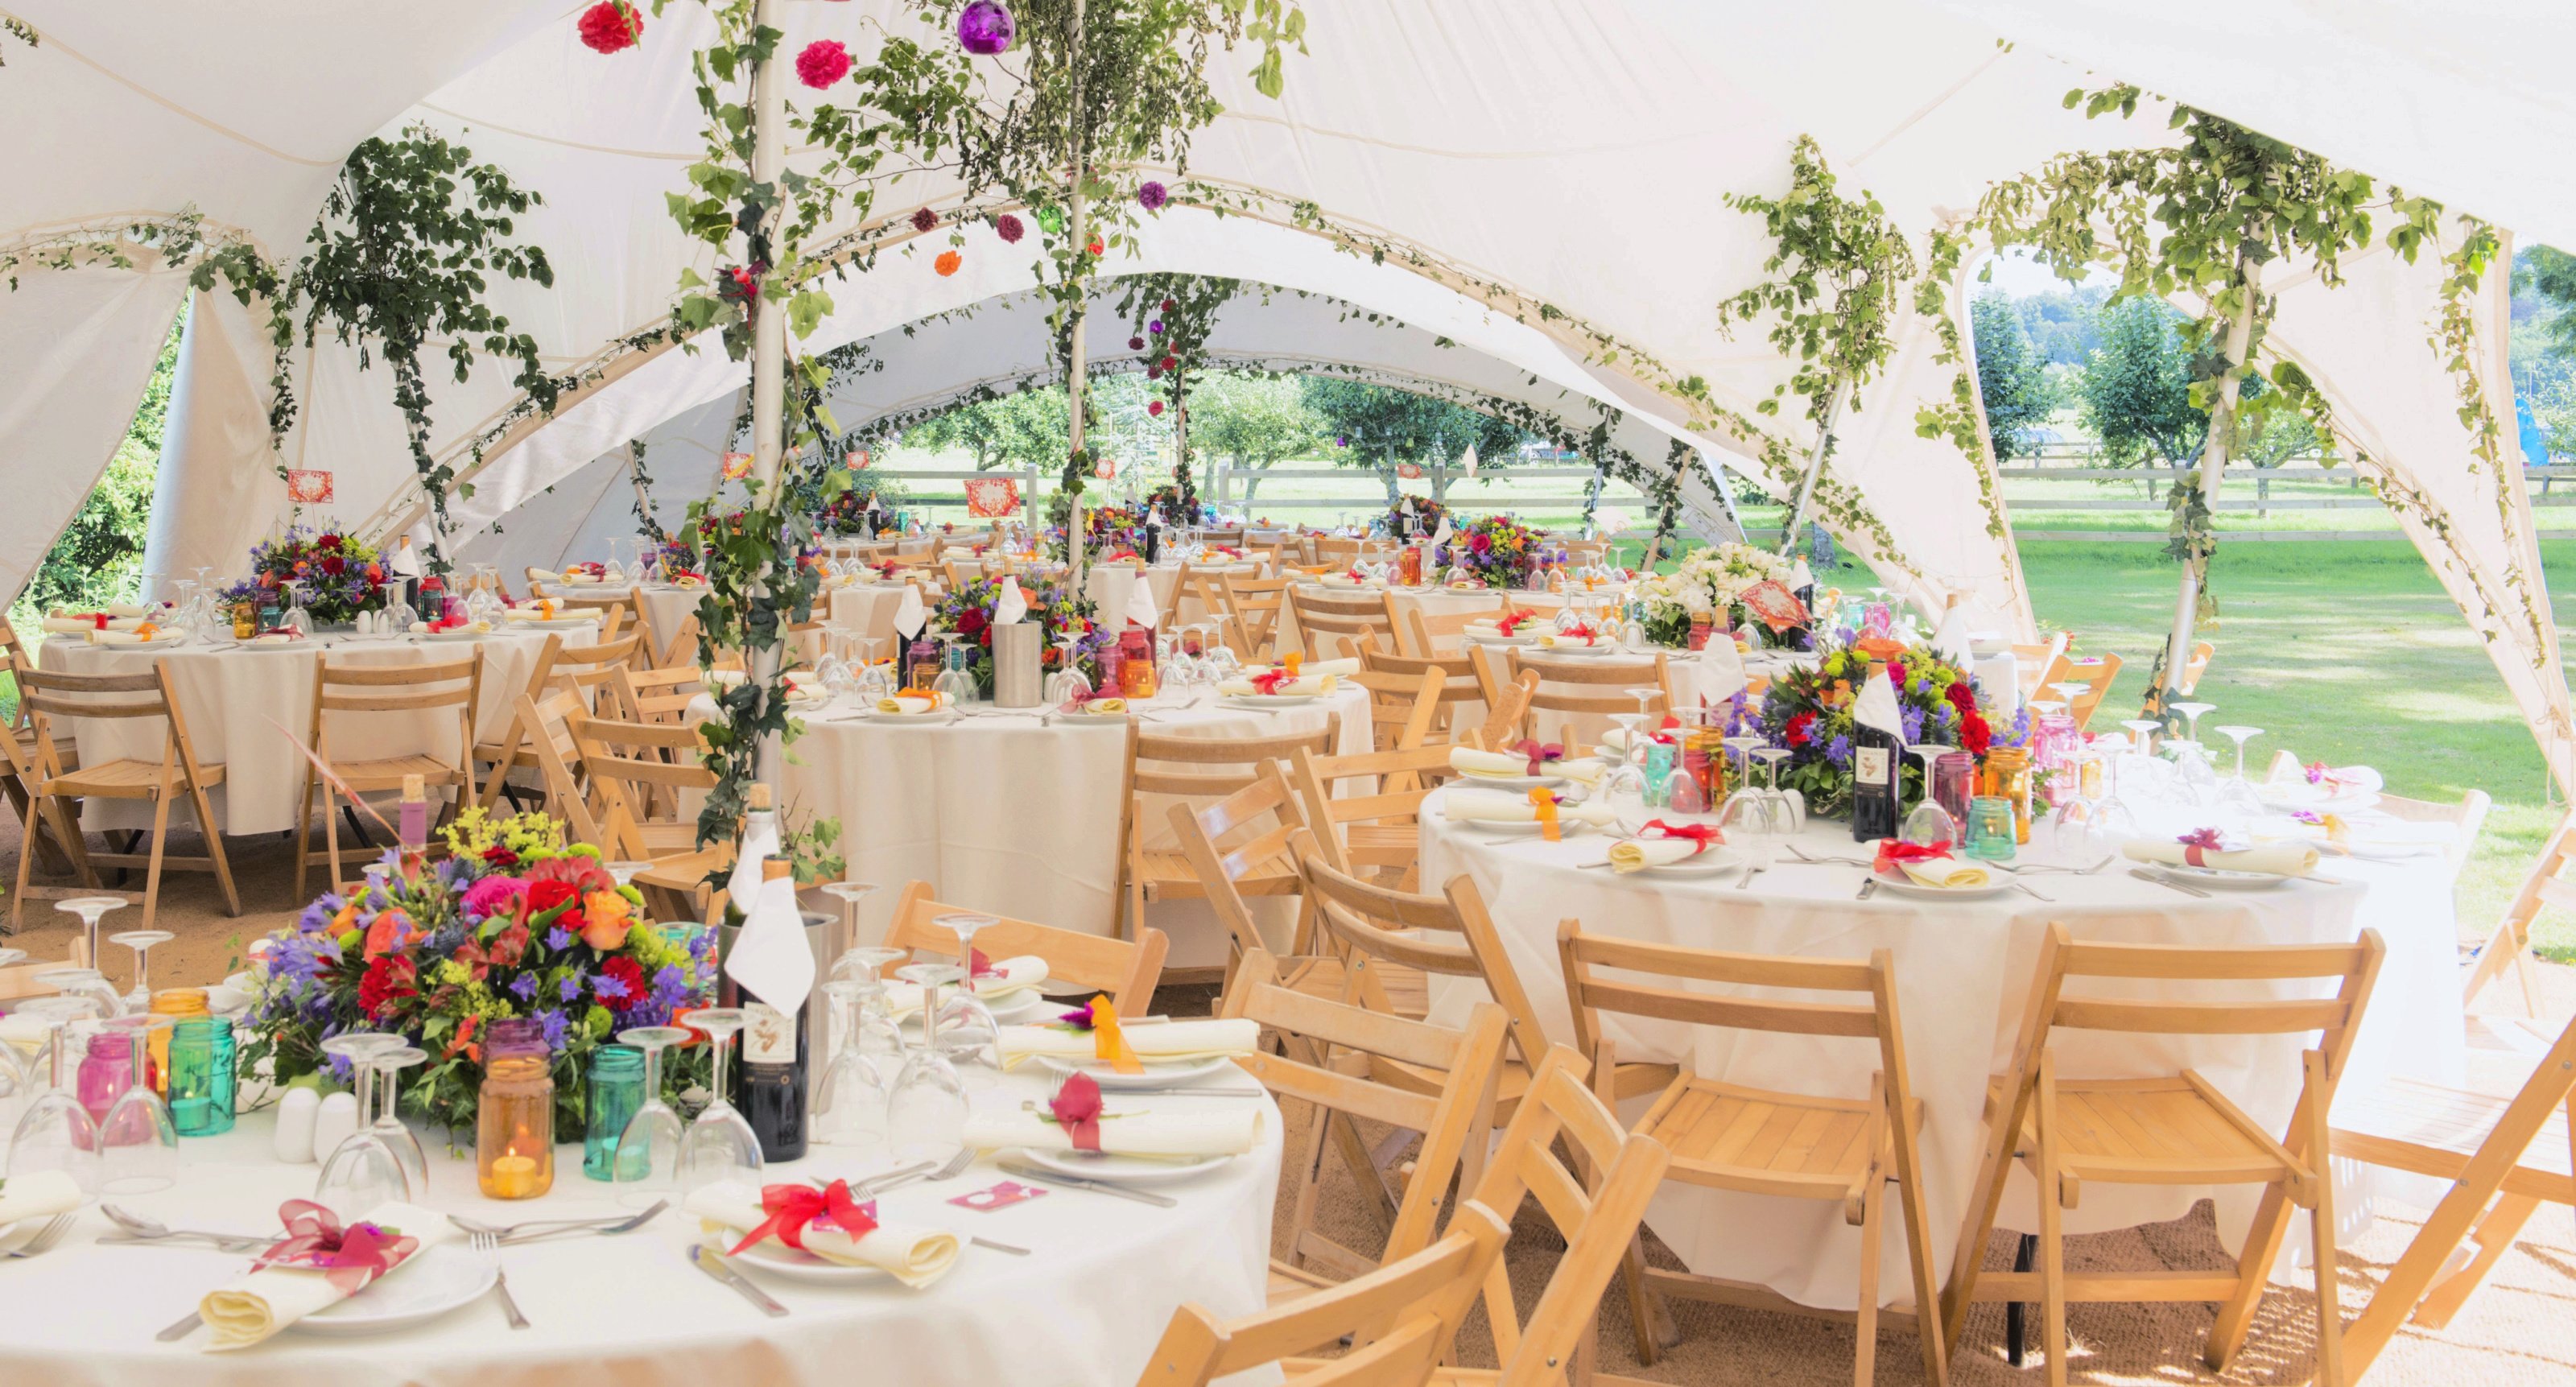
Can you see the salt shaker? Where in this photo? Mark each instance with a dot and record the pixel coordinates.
(296, 1113)
(335, 1122)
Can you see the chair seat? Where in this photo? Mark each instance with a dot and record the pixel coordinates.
(1790, 1144)
(128, 779)
(685, 871)
(389, 772)
(1167, 874)
(2432, 1130)
(526, 755)
(2157, 1132)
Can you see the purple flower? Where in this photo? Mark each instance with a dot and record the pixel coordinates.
(608, 986)
(1913, 723)
(1155, 327)
(670, 985)
(525, 985)
(1152, 195)
(1839, 751)
(569, 988)
(555, 1025)
(558, 938)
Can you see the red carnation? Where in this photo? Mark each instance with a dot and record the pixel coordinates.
(500, 856)
(334, 565)
(1961, 697)
(626, 971)
(327, 542)
(1007, 227)
(1170, 361)
(925, 221)
(970, 622)
(611, 26)
(1167, 305)
(546, 895)
(388, 980)
(1801, 729)
(1973, 732)
(823, 62)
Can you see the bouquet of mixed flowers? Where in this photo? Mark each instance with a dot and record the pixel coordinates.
(846, 513)
(1707, 586)
(339, 576)
(968, 611)
(1425, 523)
(1809, 711)
(1167, 501)
(1495, 549)
(514, 923)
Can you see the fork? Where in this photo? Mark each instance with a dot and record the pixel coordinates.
(46, 1237)
(956, 1166)
(490, 1246)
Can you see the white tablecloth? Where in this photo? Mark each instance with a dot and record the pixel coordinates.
(868, 609)
(1432, 601)
(1963, 971)
(235, 697)
(1085, 1307)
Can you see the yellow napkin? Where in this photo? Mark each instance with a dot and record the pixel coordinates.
(37, 1195)
(1637, 854)
(1467, 760)
(271, 1298)
(1949, 873)
(914, 1256)
(912, 703)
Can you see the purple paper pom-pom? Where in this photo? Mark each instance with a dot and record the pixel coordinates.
(1152, 196)
(985, 28)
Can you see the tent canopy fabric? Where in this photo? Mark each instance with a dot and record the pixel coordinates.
(1542, 181)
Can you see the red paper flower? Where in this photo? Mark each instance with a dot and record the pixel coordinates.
(1155, 409)
(1170, 362)
(1974, 734)
(1008, 228)
(947, 263)
(1135, 344)
(925, 221)
(823, 62)
(1095, 247)
(627, 971)
(611, 26)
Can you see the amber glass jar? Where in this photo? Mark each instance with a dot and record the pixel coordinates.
(514, 1126)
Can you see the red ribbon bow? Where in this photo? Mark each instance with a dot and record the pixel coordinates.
(1511, 622)
(793, 1209)
(1269, 680)
(1539, 753)
(1076, 1107)
(2200, 842)
(100, 618)
(1579, 632)
(1702, 836)
(978, 966)
(1892, 851)
(352, 1256)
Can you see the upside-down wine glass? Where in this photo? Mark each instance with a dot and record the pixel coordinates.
(850, 1104)
(1929, 822)
(363, 1171)
(968, 1032)
(56, 1132)
(647, 1163)
(139, 997)
(2142, 733)
(86, 983)
(1068, 682)
(389, 1126)
(926, 1116)
(89, 909)
(2191, 717)
(1791, 801)
(720, 1147)
(138, 1143)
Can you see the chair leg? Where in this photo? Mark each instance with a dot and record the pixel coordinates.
(1873, 1211)
(2321, 1225)
(1641, 1304)
(215, 854)
(304, 837)
(26, 862)
(2494, 1236)
(330, 846)
(2024, 1249)
(2253, 1267)
(160, 845)
(2052, 1240)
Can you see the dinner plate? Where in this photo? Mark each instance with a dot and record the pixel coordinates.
(1299, 700)
(1513, 782)
(1019, 1006)
(2216, 878)
(1093, 717)
(1509, 828)
(453, 635)
(933, 718)
(1121, 1170)
(771, 1255)
(1156, 1075)
(1716, 861)
(1472, 638)
(306, 644)
(1904, 885)
(560, 623)
(447, 1277)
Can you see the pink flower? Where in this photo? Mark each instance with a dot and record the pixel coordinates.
(823, 62)
(488, 897)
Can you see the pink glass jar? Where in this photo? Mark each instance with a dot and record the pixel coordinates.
(1137, 677)
(106, 1072)
(1954, 783)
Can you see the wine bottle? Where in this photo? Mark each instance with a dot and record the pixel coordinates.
(774, 1056)
(1878, 743)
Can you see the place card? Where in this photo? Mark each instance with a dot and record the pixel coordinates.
(1001, 1196)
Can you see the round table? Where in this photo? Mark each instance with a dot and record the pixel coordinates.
(1086, 1306)
(236, 697)
(1431, 601)
(1963, 971)
(1111, 586)
(665, 606)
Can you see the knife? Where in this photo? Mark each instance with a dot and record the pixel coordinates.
(182, 1329)
(1030, 1172)
(713, 1264)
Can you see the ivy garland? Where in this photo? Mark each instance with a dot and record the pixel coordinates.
(1838, 265)
(1170, 318)
(20, 30)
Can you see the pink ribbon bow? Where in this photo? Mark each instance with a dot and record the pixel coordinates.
(1700, 836)
(1076, 1107)
(1269, 680)
(1539, 753)
(2200, 842)
(1893, 851)
(978, 966)
(793, 1209)
(352, 1256)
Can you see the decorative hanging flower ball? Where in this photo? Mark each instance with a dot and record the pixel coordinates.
(1153, 373)
(925, 221)
(1155, 408)
(611, 26)
(1051, 219)
(823, 62)
(1168, 305)
(1171, 362)
(1096, 248)
(1152, 195)
(1135, 344)
(947, 263)
(1155, 327)
(1341, 440)
(985, 28)
(1008, 228)
(1105, 468)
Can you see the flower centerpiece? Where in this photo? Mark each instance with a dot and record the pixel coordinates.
(1425, 521)
(1808, 710)
(340, 576)
(1167, 501)
(514, 923)
(846, 514)
(1113, 532)
(1707, 586)
(968, 612)
(1494, 549)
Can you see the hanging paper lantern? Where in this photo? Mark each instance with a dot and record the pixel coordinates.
(857, 459)
(611, 26)
(925, 221)
(985, 28)
(947, 263)
(1008, 228)
(1051, 219)
(1151, 195)
(1155, 408)
(1410, 471)
(823, 62)
(1135, 344)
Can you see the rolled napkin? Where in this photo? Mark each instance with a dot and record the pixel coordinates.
(73, 625)
(1928, 864)
(1283, 685)
(1126, 1127)
(317, 1265)
(136, 637)
(1661, 845)
(819, 1221)
(544, 575)
(1616, 739)
(1508, 807)
(1308, 668)
(276, 638)
(2270, 859)
(1171, 1042)
(38, 1195)
(913, 702)
(1468, 761)
(1009, 977)
(2317, 780)
(1524, 629)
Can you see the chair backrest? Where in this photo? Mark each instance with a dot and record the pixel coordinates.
(1226, 839)
(14, 657)
(1231, 538)
(1596, 1207)
(366, 689)
(1323, 616)
(1252, 607)
(1325, 1047)
(1589, 993)
(1508, 696)
(2032, 660)
(1396, 782)
(1450, 934)
(2098, 673)
(2194, 668)
(1400, 1320)
(1405, 708)
(2509, 947)
(547, 733)
(589, 669)
(1591, 688)
(618, 611)
(2468, 814)
(660, 695)
(1439, 633)
(52, 699)
(1128, 970)
(631, 765)
(1328, 549)
(1154, 759)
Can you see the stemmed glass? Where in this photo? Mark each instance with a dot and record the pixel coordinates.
(1929, 822)
(363, 1171)
(2191, 717)
(388, 1126)
(2240, 736)
(970, 1030)
(850, 1104)
(1755, 824)
(138, 1143)
(926, 1117)
(647, 1163)
(2142, 733)
(1068, 683)
(720, 1147)
(1792, 803)
(141, 942)
(1627, 778)
(89, 908)
(86, 983)
(56, 1132)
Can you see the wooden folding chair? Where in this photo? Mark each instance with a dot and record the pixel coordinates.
(18, 980)
(1241, 836)
(1444, 632)
(1341, 553)
(618, 612)
(1325, 1050)
(2035, 663)
(1128, 971)
(1324, 616)
(1459, 686)
(2503, 1157)
(52, 699)
(590, 670)
(1404, 709)
(2468, 814)
(2510, 945)
(1508, 696)
(2075, 1132)
(370, 691)
(1365, 809)
(2193, 669)
(510, 751)
(620, 769)
(2098, 673)
(1219, 768)
(19, 773)
(1595, 688)
(1399, 1320)
(1733, 1137)
(1252, 609)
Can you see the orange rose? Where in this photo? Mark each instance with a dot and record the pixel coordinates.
(392, 930)
(1879, 647)
(606, 916)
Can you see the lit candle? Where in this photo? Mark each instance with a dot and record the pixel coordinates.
(515, 1177)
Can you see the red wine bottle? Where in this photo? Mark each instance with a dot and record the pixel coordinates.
(1878, 753)
(775, 1063)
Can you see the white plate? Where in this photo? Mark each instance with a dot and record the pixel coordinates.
(366, 637)
(933, 718)
(1907, 886)
(1020, 1006)
(1155, 1075)
(307, 643)
(1581, 651)
(1717, 861)
(445, 1278)
(1269, 700)
(771, 1255)
(1120, 1170)
(1093, 717)
(560, 623)
(2217, 879)
(1513, 782)
(1473, 638)
(1503, 828)
(453, 635)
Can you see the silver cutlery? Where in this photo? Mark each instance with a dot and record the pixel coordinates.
(999, 1247)
(2143, 874)
(1804, 856)
(46, 1236)
(1749, 874)
(956, 1166)
(713, 1263)
(490, 1247)
(182, 1329)
(2024, 888)
(142, 1228)
(873, 1183)
(1029, 1172)
(1867, 889)
(517, 1232)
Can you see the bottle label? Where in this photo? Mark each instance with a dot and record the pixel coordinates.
(1869, 766)
(768, 1035)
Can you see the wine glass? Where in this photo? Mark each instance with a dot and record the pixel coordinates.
(389, 1126)
(850, 1103)
(647, 1162)
(1627, 779)
(720, 1147)
(141, 942)
(969, 1030)
(2071, 690)
(2142, 732)
(1929, 822)
(89, 908)
(1755, 825)
(2191, 717)
(2240, 736)
(1068, 683)
(926, 1117)
(138, 1143)
(56, 1132)
(363, 1171)
(88, 983)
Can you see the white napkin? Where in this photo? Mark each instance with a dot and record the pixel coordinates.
(113, 637)
(544, 575)
(2291, 784)
(1140, 604)
(1504, 807)
(912, 703)
(41, 1194)
(770, 956)
(1948, 873)
(1129, 1126)
(1441, 535)
(1304, 684)
(914, 1256)
(1013, 975)
(271, 1298)
(2273, 859)
(1636, 854)
(1011, 607)
(1467, 760)
(1950, 642)
(1876, 707)
(405, 561)
(77, 624)
(1171, 1042)
(760, 842)
(1493, 630)
(908, 615)
(1309, 669)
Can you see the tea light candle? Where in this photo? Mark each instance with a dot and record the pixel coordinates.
(515, 1177)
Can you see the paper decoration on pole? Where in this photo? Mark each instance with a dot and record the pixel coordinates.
(858, 459)
(1105, 469)
(1774, 605)
(1410, 471)
(737, 466)
(1467, 460)
(990, 498)
(308, 488)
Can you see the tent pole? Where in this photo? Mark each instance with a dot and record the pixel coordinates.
(1075, 360)
(768, 337)
(1815, 468)
(2213, 460)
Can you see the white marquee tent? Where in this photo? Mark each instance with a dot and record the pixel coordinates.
(1549, 173)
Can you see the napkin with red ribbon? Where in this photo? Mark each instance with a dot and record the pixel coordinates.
(318, 1263)
(1538, 753)
(1076, 1108)
(827, 1223)
(1661, 843)
(1892, 851)
(792, 1209)
(1510, 622)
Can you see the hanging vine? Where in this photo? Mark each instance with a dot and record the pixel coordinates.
(18, 29)
(1169, 319)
